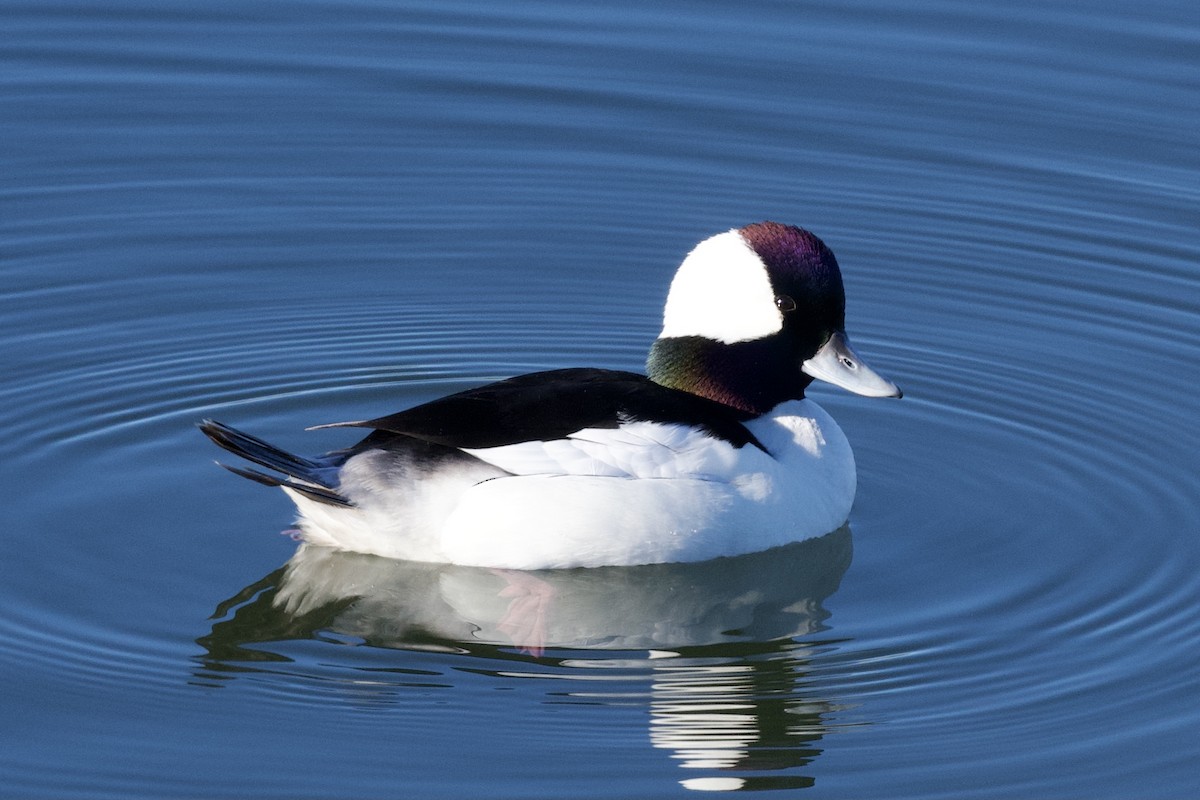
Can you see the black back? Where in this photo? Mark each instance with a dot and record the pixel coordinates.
(543, 406)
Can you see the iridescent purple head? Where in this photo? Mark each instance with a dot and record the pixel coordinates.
(804, 276)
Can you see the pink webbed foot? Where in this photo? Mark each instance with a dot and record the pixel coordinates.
(524, 621)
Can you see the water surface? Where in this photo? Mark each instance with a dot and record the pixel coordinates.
(282, 215)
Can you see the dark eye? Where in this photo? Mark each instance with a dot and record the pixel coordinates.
(784, 303)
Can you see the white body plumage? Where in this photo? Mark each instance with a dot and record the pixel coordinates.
(641, 493)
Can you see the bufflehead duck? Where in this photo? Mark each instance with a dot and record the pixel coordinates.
(714, 452)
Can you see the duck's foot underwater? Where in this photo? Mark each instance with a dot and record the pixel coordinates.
(525, 619)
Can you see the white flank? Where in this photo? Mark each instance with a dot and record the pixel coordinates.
(642, 494)
(722, 292)
(634, 450)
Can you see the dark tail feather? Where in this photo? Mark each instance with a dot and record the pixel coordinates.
(262, 453)
(319, 493)
(299, 474)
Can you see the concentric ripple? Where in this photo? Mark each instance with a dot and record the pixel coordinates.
(287, 216)
(1018, 521)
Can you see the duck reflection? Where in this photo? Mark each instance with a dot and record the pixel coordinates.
(714, 650)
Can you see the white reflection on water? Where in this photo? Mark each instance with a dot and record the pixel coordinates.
(710, 649)
(759, 597)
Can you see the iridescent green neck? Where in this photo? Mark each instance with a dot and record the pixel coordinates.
(752, 377)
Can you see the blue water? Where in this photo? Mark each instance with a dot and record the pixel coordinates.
(286, 214)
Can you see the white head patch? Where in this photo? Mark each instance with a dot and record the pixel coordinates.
(722, 292)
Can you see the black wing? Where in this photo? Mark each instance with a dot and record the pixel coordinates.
(543, 406)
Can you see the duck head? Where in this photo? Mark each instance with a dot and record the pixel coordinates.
(753, 316)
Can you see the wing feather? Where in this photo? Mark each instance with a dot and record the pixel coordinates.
(548, 406)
